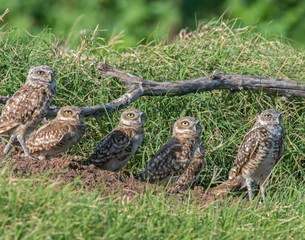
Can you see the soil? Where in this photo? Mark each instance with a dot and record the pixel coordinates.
(67, 169)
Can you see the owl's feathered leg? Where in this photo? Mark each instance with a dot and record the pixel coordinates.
(262, 189)
(9, 146)
(21, 139)
(249, 184)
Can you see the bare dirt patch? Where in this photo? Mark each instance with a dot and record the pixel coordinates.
(67, 169)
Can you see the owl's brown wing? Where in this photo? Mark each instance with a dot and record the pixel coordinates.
(76, 132)
(24, 105)
(114, 145)
(164, 163)
(247, 149)
(47, 136)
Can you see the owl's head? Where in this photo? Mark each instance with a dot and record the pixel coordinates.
(187, 125)
(232, 173)
(70, 113)
(132, 117)
(270, 117)
(41, 74)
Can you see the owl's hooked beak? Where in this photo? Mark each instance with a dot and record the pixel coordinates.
(50, 77)
(197, 126)
(277, 120)
(143, 118)
(77, 116)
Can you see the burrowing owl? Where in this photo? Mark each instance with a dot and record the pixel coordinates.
(58, 135)
(28, 106)
(116, 148)
(260, 150)
(174, 157)
(192, 172)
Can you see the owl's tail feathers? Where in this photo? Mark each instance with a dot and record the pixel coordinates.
(86, 162)
(5, 127)
(142, 176)
(91, 160)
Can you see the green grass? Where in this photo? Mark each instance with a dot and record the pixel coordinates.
(33, 209)
(42, 212)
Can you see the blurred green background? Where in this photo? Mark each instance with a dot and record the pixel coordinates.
(144, 20)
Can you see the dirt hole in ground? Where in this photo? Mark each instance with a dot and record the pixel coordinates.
(67, 169)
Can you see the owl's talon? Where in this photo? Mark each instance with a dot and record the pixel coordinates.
(28, 156)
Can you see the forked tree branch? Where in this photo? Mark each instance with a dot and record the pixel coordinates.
(218, 80)
(139, 87)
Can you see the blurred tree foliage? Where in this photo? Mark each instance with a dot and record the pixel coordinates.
(139, 19)
(144, 20)
(285, 18)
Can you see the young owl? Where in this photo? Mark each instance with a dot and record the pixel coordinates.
(260, 150)
(116, 148)
(175, 156)
(28, 106)
(192, 172)
(58, 135)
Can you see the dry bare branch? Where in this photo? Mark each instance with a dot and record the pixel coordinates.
(139, 87)
(218, 80)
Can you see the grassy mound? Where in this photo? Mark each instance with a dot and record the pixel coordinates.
(33, 209)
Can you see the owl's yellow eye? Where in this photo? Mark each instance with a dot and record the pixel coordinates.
(40, 72)
(185, 123)
(130, 115)
(234, 173)
(68, 112)
(268, 115)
